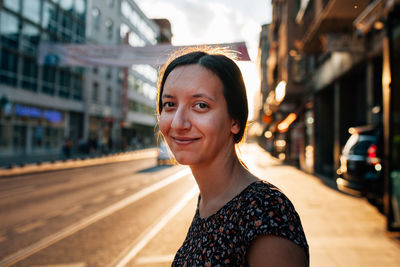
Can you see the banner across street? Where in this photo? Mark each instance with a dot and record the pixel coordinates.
(85, 55)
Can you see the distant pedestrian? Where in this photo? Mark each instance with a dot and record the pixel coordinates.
(67, 147)
(240, 220)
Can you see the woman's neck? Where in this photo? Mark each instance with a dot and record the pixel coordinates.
(219, 182)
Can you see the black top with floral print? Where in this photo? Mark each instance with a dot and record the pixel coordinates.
(224, 238)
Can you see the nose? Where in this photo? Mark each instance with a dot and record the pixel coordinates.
(181, 120)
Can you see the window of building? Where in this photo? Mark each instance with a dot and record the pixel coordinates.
(80, 34)
(12, 4)
(135, 40)
(95, 92)
(123, 30)
(8, 67)
(48, 80)
(64, 84)
(19, 138)
(130, 13)
(9, 25)
(29, 73)
(66, 28)
(96, 18)
(109, 28)
(49, 17)
(66, 4)
(109, 73)
(30, 36)
(31, 10)
(110, 3)
(80, 7)
(109, 96)
(77, 87)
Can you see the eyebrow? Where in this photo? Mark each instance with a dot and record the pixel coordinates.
(205, 96)
(195, 96)
(166, 96)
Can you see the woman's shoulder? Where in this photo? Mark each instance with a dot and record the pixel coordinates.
(264, 200)
(263, 192)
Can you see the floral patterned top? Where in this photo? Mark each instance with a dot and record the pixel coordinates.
(224, 238)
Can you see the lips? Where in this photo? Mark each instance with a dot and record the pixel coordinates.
(183, 140)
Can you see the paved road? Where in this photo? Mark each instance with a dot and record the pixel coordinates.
(136, 214)
(93, 216)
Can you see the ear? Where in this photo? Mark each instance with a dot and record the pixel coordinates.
(235, 128)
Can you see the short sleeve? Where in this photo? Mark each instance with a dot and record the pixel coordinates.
(270, 212)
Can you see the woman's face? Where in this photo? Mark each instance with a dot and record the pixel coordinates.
(194, 118)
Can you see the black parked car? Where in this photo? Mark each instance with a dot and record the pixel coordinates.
(360, 171)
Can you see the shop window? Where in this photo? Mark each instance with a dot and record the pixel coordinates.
(19, 138)
(8, 67)
(29, 73)
(37, 137)
(5, 137)
(9, 25)
(31, 10)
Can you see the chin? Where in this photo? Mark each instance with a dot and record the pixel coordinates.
(186, 159)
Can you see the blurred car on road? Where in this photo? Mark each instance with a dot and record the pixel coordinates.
(164, 155)
(360, 171)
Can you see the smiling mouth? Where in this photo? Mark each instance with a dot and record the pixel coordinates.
(184, 141)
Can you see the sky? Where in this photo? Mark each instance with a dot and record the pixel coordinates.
(196, 22)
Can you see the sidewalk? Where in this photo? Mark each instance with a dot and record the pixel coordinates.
(341, 230)
(77, 163)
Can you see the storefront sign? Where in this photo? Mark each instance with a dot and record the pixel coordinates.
(32, 112)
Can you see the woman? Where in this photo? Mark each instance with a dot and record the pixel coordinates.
(240, 220)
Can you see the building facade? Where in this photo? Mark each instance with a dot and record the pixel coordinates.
(41, 105)
(343, 58)
(95, 109)
(138, 82)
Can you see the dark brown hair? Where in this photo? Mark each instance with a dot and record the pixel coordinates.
(228, 72)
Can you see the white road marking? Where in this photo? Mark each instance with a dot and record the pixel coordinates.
(155, 259)
(145, 238)
(29, 227)
(51, 239)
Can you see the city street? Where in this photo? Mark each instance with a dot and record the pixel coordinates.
(135, 213)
